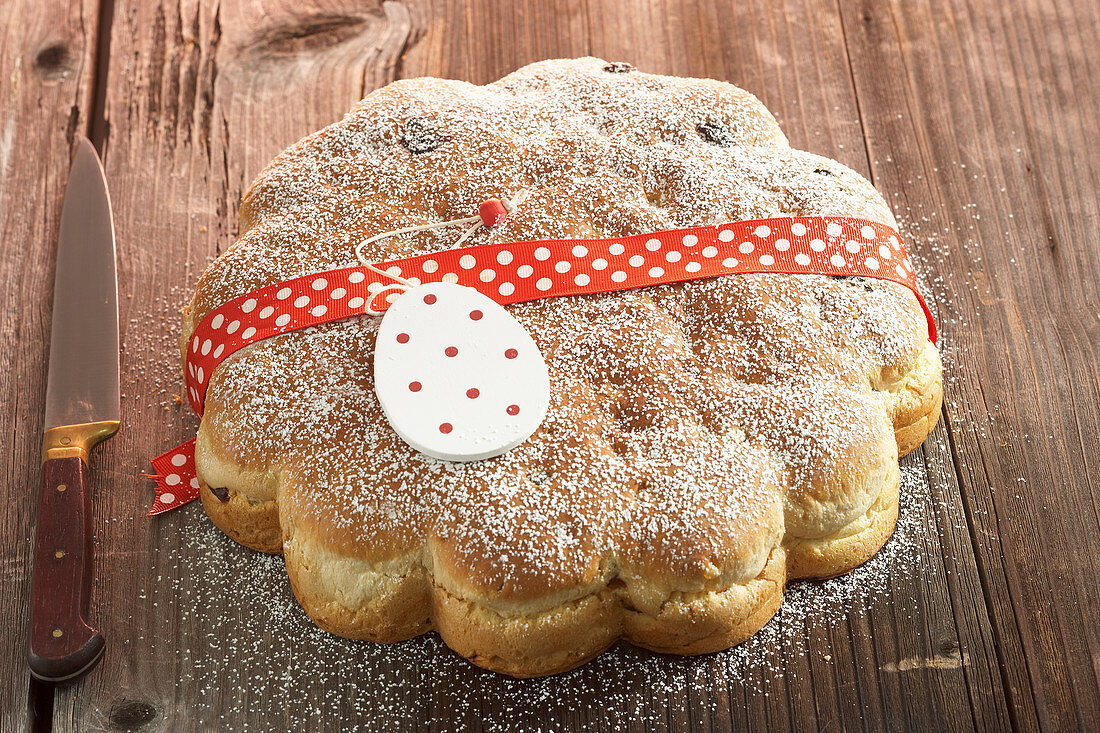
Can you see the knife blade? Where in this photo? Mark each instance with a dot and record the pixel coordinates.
(82, 409)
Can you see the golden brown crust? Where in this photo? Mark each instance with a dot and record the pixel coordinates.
(254, 525)
(851, 546)
(528, 646)
(918, 398)
(710, 621)
(705, 441)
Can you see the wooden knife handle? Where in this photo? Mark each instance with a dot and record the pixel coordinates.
(63, 648)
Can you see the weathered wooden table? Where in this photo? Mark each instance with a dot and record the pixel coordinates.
(977, 120)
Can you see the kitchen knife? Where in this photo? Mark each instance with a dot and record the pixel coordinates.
(82, 409)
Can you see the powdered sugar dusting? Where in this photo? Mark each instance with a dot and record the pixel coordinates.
(679, 416)
(279, 666)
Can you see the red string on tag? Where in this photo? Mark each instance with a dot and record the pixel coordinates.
(513, 272)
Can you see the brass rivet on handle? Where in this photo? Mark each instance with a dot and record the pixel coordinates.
(59, 554)
(58, 633)
(61, 487)
(66, 440)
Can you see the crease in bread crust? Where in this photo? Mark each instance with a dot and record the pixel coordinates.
(706, 442)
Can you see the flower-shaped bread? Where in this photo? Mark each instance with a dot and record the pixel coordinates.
(705, 441)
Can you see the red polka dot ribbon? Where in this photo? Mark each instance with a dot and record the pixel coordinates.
(177, 481)
(513, 272)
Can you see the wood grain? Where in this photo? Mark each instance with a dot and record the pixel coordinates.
(977, 121)
(995, 106)
(46, 74)
(289, 56)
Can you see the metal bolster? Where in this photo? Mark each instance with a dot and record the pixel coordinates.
(69, 441)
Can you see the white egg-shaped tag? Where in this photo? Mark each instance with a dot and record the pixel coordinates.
(458, 378)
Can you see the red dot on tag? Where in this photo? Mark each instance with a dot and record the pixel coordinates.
(451, 351)
(415, 386)
(402, 338)
(446, 428)
(430, 298)
(513, 409)
(511, 354)
(473, 393)
(476, 315)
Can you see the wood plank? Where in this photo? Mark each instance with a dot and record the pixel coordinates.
(996, 109)
(199, 98)
(203, 633)
(46, 70)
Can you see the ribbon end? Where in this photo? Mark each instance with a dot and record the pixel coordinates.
(177, 479)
